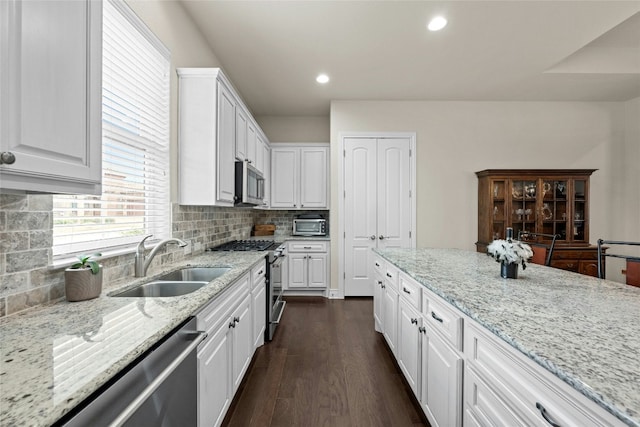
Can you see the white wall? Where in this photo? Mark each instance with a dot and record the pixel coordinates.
(295, 128)
(171, 24)
(456, 139)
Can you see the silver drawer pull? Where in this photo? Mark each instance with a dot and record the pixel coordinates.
(307, 247)
(435, 316)
(545, 415)
(414, 321)
(406, 291)
(377, 265)
(388, 275)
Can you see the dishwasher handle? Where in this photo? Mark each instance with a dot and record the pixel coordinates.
(147, 392)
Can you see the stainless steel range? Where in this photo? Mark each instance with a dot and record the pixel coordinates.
(275, 255)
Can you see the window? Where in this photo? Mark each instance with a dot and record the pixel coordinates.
(135, 144)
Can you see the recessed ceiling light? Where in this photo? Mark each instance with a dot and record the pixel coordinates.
(322, 78)
(437, 23)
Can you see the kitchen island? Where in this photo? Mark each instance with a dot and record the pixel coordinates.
(55, 356)
(580, 329)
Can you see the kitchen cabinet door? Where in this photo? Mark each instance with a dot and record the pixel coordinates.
(284, 177)
(242, 341)
(252, 145)
(441, 391)
(297, 270)
(390, 329)
(51, 85)
(409, 322)
(313, 178)
(226, 143)
(258, 295)
(214, 378)
(317, 266)
(242, 134)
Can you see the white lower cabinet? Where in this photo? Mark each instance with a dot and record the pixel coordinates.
(232, 321)
(476, 381)
(308, 264)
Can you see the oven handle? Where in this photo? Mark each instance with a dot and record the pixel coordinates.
(151, 388)
(281, 311)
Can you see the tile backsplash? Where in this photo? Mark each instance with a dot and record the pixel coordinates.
(26, 236)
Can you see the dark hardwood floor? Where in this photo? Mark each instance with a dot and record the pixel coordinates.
(325, 367)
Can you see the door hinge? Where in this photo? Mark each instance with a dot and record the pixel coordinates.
(409, 193)
(344, 153)
(345, 234)
(344, 194)
(344, 275)
(409, 233)
(409, 152)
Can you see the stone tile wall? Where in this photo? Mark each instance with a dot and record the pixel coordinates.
(26, 236)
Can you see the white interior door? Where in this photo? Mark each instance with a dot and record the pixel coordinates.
(379, 212)
(359, 214)
(394, 193)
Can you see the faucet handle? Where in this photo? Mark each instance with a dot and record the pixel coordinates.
(141, 244)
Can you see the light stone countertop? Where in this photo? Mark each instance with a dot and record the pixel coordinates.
(582, 329)
(53, 357)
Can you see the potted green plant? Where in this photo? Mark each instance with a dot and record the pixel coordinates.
(83, 280)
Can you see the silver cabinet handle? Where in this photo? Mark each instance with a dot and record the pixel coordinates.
(232, 324)
(435, 316)
(406, 291)
(236, 320)
(388, 275)
(373, 237)
(301, 205)
(422, 330)
(147, 392)
(7, 158)
(377, 265)
(414, 321)
(381, 237)
(545, 415)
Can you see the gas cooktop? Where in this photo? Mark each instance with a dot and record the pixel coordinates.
(244, 245)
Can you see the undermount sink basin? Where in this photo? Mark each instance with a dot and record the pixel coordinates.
(176, 283)
(195, 274)
(162, 289)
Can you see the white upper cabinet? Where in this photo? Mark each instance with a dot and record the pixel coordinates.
(51, 85)
(214, 129)
(299, 176)
(206, 137)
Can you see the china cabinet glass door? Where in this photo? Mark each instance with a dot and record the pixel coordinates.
(555, 211)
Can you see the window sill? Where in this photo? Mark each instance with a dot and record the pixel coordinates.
(66, 261)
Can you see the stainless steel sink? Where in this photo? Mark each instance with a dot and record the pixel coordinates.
(162, 289)
(195, 274)
(176, 283)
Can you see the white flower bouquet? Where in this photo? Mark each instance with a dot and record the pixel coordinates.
(510, 252)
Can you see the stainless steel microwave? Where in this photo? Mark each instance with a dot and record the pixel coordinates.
(249, 185)
(310, 227)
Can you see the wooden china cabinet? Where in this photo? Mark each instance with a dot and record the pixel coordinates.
(548, 201)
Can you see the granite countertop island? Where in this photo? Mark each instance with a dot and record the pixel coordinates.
(53, 357)
(582, 329)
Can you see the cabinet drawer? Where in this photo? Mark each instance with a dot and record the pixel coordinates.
(566, 265)
(307, 246)
(442, 318)
(222, 305)
(379, 266)
(257, 273)
(526, 388)
(391, 276)
(410, 290)
(577, 254)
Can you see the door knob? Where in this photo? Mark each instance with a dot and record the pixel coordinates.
(7, 158)
(381, 237)
(373, 237)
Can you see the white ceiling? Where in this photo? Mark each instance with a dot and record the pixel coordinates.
(381, 50)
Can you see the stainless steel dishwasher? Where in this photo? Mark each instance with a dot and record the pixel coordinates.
(158, 390)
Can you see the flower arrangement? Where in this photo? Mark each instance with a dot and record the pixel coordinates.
(510, 252)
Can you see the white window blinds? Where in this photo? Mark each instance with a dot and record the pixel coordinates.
(135, 144)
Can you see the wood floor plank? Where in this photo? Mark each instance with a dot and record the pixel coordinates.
(325, 367)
